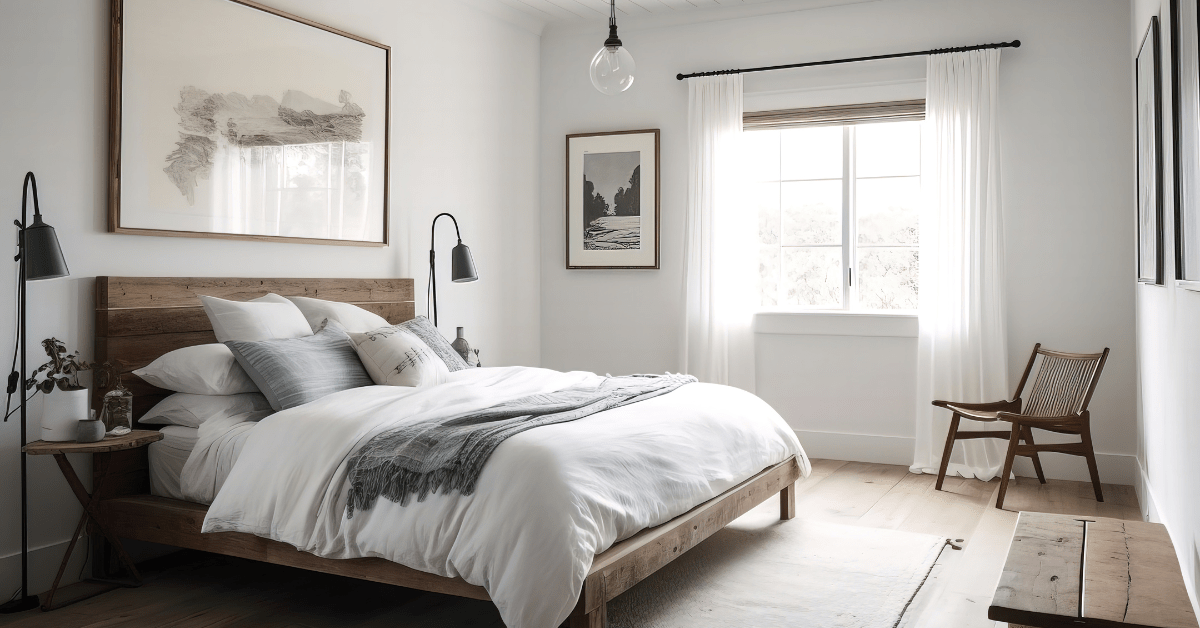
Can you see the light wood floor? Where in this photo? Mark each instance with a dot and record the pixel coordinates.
(191, 590)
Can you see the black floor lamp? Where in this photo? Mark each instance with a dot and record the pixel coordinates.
(40, 257)
(462, 267)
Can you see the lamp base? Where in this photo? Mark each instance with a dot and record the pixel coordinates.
(27, 603)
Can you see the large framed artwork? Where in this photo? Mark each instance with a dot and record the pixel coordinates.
(1149, 156)
(1185, 90)
(229, 119)
(612, 199)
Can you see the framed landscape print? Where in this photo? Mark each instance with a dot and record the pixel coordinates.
(612, 199)
(1149, 156)
(229, 119)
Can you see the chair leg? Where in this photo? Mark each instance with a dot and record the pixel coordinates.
(1091, 462)
(946, 452)
(1013, 441)
(1037, 463)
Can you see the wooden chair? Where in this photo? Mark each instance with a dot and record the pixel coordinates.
(1058, 403)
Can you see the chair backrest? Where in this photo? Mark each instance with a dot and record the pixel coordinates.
(1064, 383)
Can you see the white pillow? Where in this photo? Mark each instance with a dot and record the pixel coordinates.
(193, 410)
(265, 318)
(353, 318)
(199, 370)
(397, 357)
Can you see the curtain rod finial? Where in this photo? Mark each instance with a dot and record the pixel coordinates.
(679, 77)
(1016, 43)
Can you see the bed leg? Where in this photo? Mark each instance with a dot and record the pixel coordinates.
(787, 502)
(595, 619)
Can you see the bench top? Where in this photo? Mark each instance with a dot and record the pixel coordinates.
(1065, 570)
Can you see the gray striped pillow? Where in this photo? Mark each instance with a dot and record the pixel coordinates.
(423, 329)
(295, 371)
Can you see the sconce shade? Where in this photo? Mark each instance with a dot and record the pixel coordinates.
(462, 266)
(43, 255)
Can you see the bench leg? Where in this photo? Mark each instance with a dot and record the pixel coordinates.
(787, 502)
(595, 619)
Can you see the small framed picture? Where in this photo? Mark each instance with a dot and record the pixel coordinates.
(1149, 156)
(612, 199)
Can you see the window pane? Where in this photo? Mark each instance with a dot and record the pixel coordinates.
(888, 150)
(887, 278)
(812, 212)
(888, 210)
(758, 155)
(768, 274)
(812, 277)
(763, 200)
(814, 153)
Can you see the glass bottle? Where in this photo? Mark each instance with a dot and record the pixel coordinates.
(118, 408)
(462, 347)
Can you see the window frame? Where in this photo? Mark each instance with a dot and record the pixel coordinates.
(900, 111)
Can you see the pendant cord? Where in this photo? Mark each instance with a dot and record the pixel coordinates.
(612, 16)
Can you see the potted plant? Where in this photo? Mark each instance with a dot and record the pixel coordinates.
(66, 400)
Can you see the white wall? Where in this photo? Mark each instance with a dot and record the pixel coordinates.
(1168, 364)
(1067, 164)
(464, 125)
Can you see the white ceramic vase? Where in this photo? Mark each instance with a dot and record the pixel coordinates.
(62, 410)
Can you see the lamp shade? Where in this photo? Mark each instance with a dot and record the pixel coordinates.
(462, 266)
(43, 255)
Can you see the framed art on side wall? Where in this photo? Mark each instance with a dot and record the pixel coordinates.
(1149, 159)
(1185, 90)
(612, 201)
(229, 119)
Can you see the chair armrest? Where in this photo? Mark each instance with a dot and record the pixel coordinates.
(989, 406)
(1035, 421)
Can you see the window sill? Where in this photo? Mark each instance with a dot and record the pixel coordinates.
(833, 323)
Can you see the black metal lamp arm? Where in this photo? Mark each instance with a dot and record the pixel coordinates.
(431, 291)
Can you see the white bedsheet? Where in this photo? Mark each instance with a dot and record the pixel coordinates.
(548, 500)
(167, 459)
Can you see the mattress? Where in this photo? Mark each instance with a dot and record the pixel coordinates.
(167, 458)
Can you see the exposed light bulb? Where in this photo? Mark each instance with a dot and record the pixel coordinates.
(612, 68)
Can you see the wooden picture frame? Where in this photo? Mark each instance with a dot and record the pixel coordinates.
(1148, 83)
(607, 226)
(205, 144)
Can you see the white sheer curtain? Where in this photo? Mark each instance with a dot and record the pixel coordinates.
(962, 346)
(720, 259)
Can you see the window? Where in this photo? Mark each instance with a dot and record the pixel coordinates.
(838, 211)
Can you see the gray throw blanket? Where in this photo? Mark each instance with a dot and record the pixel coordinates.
(449, 454)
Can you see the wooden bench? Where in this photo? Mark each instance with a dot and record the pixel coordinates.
(1077, 571)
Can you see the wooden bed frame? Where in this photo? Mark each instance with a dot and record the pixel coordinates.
(139, 319)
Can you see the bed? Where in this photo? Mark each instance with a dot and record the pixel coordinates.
(140, 319)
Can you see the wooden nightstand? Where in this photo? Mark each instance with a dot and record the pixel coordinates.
(132, 440)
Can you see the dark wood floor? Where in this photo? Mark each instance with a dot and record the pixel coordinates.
(192, 590)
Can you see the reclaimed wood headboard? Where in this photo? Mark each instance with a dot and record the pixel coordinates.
(139, 319)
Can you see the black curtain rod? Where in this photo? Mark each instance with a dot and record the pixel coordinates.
(1016, 43)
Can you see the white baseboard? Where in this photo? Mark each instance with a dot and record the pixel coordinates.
(857, 447)
(1151, 512)
(1145, 495)
(43, 564)
(1114, 468)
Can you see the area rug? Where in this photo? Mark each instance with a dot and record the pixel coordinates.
(757, 573)
(762, 572)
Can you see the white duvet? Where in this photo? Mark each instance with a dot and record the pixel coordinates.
(548, 500)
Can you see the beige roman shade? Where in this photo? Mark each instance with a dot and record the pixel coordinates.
(836, 115)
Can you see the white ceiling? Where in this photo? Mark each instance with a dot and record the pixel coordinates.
(573, 10)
